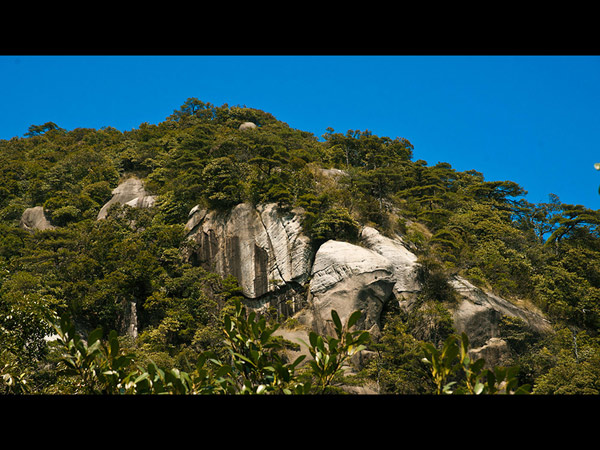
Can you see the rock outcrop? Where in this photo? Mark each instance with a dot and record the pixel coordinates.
(35, 219)
(130, 192)
(247, 126)
(404, 262)
(479, 313)
(346, 278)
(263, 247)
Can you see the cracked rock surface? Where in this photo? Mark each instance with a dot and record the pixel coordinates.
(346, 278)
(263, 247)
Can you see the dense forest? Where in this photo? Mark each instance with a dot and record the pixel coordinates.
(77, 278)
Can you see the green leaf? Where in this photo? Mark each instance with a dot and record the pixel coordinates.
(332, 344)
(500, 373)
(336, 319)
(363, 338)
(354, 318)
(113, 340)
(142, 377)
(297, 361)
(312, 337)
(265, 335)
(222, 371)
(95, 336)
(523, 390)
(478, 389)
(478, 365)
(447, 387)
(355, 349)
(450, 352)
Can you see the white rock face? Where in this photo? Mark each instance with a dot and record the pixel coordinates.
(247, 126)
(130, 192)
(403, 261)
(35, 219)
(337, 261)
(263, 247)
(347, 278)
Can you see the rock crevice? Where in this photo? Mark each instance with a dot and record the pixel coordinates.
(263, 247)
(275, 264)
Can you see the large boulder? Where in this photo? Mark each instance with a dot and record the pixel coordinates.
(265, 249)
(346, 278)
(263, 246)
(479, 314)
(404, 263)
(35, 219)
(247, 126)
(129, 192)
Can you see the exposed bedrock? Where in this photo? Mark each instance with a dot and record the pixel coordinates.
(346, 278)
(263, 246)
(35, 219)
(275, 264)
(479, 315)
(129, 192)
(403, 261)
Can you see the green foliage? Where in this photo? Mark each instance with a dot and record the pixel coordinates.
(97, 271)
(331, 353)
(335, 223)
(98, 366)
(397, 369)
(566, 363)
(453, 360)
(221, 179)
(254, 364)
(36, 130)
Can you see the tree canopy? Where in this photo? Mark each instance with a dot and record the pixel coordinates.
(99, 272)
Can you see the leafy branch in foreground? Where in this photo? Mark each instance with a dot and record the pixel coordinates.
(255, 365)
(99, 365)
(329, 354)
(453, 361)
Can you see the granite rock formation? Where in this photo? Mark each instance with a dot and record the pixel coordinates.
(263, 246)
(345, 278)
(265, 249)
(129, 192)
(247, 126)
(35, 219)
(404, 263)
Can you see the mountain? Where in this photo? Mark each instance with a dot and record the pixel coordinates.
(157, 231)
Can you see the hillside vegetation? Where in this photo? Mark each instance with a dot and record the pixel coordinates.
(544, 255)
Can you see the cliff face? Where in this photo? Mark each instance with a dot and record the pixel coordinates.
(278, 266)
(265, 248)
(346, 278)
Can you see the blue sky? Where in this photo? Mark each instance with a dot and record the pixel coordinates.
(534, 120)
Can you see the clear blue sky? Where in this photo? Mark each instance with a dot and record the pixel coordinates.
(534, 120)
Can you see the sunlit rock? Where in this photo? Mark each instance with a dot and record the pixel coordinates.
(35, 219)
(130, 192)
